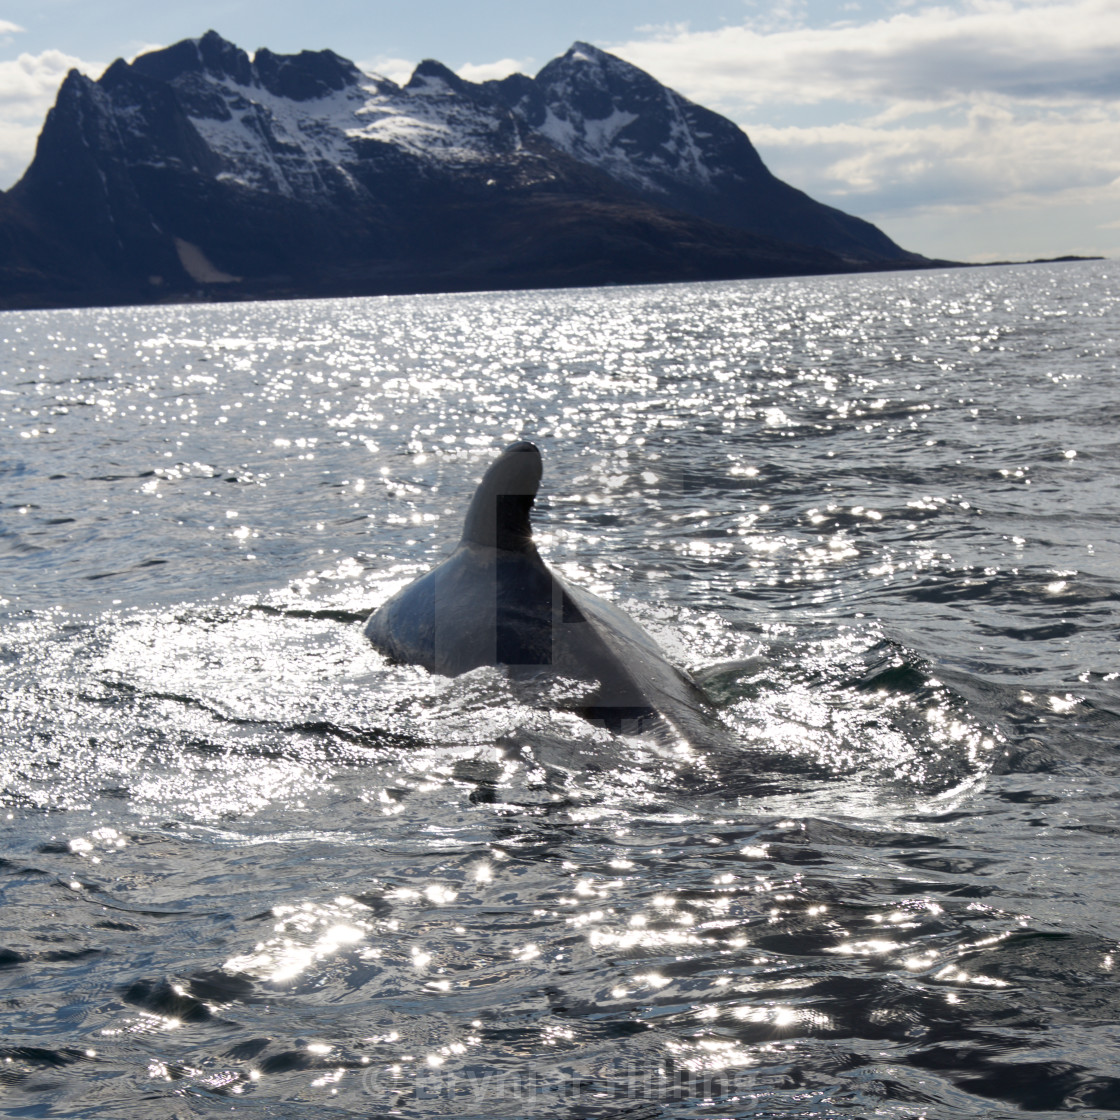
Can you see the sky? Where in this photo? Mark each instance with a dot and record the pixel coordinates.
(971, 130)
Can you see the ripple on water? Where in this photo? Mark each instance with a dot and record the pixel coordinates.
(247, 864)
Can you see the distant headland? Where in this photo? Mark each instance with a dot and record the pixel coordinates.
(199, 173)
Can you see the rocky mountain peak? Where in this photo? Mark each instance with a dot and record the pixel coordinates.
(613, 116)
(588, 57)
(305, 76)
(433, 76)
(211, 55)
(607, 112)
(297, 77)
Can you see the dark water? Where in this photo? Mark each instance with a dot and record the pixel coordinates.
(248, 868)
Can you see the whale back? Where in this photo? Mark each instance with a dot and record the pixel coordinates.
(490, 602)
(640, 689)
(494, 601)
(498, 516)
(481, 606)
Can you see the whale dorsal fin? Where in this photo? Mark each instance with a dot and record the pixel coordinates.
(498, 516)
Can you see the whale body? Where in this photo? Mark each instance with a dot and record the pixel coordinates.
(494, 601)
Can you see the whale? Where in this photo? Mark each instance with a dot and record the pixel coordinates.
(495, 602)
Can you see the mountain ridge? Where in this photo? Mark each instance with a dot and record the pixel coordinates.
(197, 171)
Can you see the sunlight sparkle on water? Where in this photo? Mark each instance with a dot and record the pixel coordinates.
(849, 505)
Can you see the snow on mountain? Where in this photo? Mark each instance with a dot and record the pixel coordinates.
(608, 114)
(605, 112)
(265, 139)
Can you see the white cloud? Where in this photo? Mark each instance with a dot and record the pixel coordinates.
(28, 84)
(17, 146)
(397, 70)
(28, 87)
(992, 104)
(989, 152)
(495, 71)
(1052, 49)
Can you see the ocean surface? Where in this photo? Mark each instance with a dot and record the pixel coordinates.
(247, 867)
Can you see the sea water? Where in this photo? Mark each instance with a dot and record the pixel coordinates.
(249, 868)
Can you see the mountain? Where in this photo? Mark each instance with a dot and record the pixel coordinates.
(613, 116)
(199, 172)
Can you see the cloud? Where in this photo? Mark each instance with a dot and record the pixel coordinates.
(397, 70)
(488, 71)
(990, 155)
(991, 105)
(1052, 50)
(28, 86)
(17, 146)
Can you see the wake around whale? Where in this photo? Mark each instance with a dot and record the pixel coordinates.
(494, 601)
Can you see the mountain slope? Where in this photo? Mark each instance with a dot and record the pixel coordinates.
(607, 113)
(197, 170)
